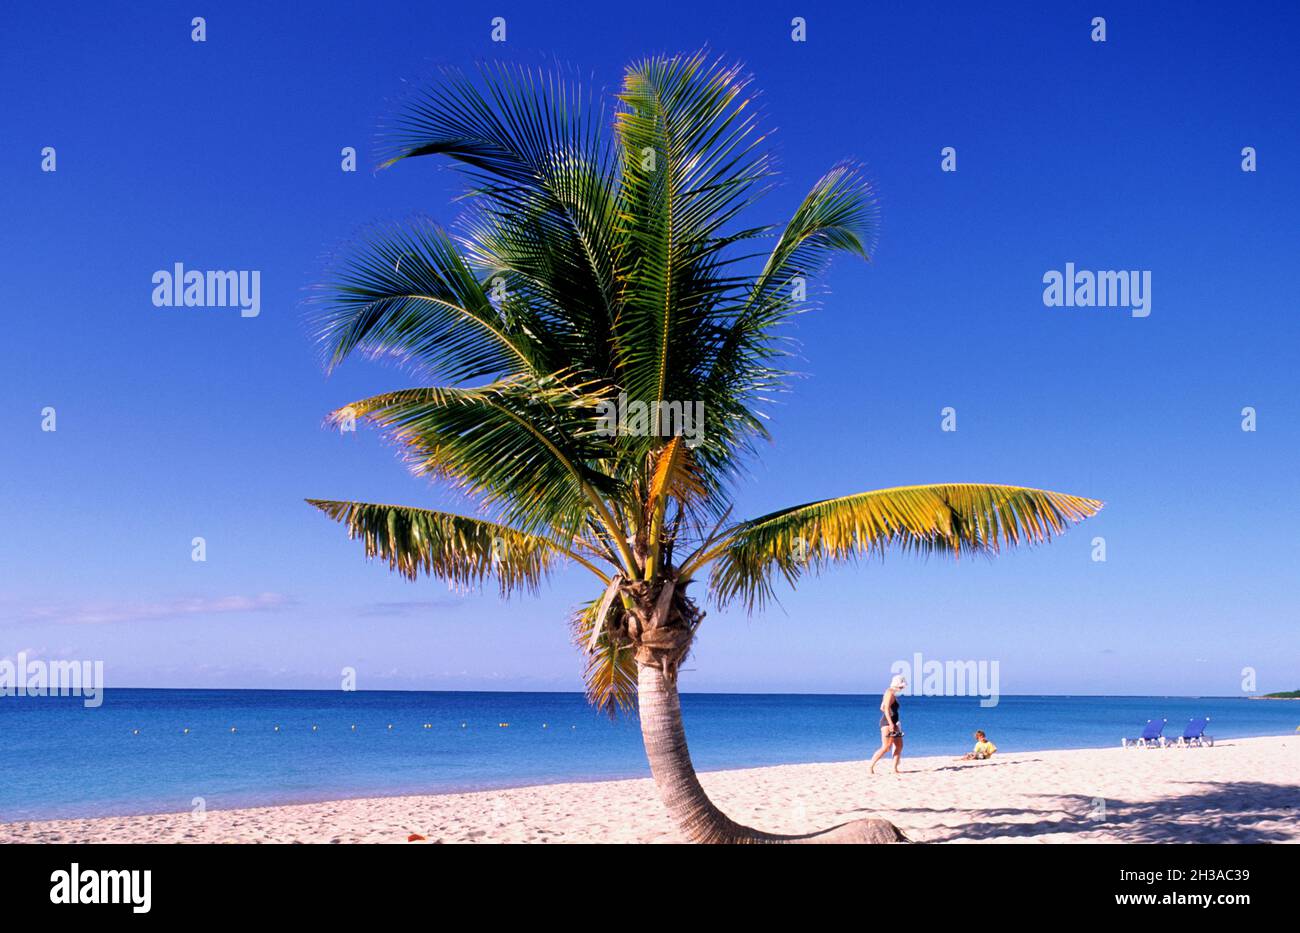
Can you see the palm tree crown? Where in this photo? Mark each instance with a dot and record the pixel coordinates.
(605, 259)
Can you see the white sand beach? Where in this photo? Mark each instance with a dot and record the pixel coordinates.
(1241, 790)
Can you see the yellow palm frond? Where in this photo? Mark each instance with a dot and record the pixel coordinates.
(609, 670)
(948, 518)
(671, 474)
(461, 550)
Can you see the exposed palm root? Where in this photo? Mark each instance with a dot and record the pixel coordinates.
(719, 829)
(857, 832)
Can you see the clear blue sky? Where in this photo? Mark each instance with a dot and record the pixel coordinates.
(1123, 155)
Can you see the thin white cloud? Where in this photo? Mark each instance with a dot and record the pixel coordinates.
(105, 613)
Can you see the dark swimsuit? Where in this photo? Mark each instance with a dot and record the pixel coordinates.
(893, 713)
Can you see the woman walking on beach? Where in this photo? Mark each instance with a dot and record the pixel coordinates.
(891, 732)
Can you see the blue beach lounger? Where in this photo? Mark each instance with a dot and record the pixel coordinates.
(1194, 734)
(1150, 737)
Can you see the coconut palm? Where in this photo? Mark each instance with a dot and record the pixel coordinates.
(603, 285)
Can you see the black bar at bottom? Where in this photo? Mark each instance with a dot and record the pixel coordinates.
(299, 883)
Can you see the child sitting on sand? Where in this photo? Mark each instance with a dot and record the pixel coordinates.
(983, 748)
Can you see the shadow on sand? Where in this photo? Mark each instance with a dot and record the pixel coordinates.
(984, 764)
(1223, 812)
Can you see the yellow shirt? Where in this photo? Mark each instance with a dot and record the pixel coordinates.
(985, 749)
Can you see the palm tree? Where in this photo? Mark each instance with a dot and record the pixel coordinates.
(604, 264)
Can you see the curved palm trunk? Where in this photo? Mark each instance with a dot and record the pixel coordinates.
(690, 807)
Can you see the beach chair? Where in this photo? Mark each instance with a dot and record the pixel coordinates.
(1194, 734)
(1150, 737)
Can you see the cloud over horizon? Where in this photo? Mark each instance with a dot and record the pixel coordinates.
(110, 612)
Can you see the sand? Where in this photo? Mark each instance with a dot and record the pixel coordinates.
(1241, 790)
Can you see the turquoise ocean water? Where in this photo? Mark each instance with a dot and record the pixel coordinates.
(65, 760)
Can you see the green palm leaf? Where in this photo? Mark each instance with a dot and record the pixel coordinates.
(690, 165)
(521, 444)
(407, 293)
(838, 215)
(460, 550)
(544, 183)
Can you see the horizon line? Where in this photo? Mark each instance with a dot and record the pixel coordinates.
(1188, 696)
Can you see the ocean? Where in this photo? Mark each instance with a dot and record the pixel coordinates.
(132, 755)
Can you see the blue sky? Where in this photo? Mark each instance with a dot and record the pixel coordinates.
(175, 423)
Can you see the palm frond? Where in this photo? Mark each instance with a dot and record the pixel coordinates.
(690, 165)
(519, 443)
(406, 293)
(460, 550)
(949, 518)
(839, 214)
(609, 668)
(672, 475)
(544, 179)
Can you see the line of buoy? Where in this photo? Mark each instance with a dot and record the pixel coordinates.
(427, 725)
